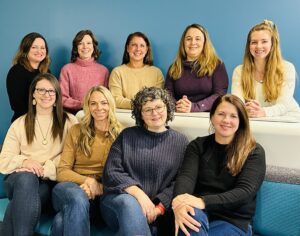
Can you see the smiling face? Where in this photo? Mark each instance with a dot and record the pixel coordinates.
(44, 102)
(85, 47)
(99, 106)
(154, 114)
(37, 52)
(226, 122)
(137, 49)
(193, 43)
(260, 44)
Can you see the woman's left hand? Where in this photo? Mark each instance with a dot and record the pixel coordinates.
(183, 105)
(189, 200)
(254, 109)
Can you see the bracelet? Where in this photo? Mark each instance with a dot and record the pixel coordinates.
(161, 208)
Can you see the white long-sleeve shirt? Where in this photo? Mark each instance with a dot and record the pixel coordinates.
(284, 103)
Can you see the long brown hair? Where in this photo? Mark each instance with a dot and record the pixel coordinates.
(206, 62)
(59, 116)
(243, 142)
(274, 71)
(24, 48)
(148, 59)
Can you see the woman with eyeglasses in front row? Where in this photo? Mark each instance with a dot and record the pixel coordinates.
(140, 171)
(30, 154)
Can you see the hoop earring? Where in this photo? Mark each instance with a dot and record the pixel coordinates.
(33, 102)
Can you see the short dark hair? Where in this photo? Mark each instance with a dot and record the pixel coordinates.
(79, 36)
(149, 94)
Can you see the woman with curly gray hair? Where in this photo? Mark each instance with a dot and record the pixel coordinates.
(139, 174)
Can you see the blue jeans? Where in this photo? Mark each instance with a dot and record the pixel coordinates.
(27, 194)
(214, 228)
(123, 214)
(74, 210)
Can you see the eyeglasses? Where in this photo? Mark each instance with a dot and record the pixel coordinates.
(43, 91)
(158, 109)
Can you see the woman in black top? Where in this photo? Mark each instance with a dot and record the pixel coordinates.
(221, 173)
(31, 59)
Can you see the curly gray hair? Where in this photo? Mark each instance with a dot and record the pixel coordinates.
(149, 94)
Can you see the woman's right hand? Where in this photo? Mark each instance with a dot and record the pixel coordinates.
(183, 217)
(148, 208)
(34, 167)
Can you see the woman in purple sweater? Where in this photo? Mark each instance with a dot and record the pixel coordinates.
(84, 72)
(197, 76)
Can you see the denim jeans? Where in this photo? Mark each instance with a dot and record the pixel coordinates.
(73, 210)
(27, 194)
(215, 228)
(123, 214)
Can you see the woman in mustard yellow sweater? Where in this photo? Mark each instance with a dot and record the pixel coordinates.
(81, 165)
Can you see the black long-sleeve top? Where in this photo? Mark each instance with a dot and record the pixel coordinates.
(204, 174)
(17, 84)
(146, 159)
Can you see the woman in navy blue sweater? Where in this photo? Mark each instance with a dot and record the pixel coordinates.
(140, 171)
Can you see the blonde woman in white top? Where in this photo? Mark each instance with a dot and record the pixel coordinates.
(265, 82)
(30, 154)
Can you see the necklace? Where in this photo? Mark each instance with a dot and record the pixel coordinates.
(44, 142)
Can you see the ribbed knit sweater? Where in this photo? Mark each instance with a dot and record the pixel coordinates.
(204, 174)
(201, 91)
(17, 84)
(77, 78)
(145, 159)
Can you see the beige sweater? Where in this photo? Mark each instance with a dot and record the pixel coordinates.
(16, 149)
(74, 166)
(125, 82)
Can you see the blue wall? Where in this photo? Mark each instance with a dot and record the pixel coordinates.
(163, 21)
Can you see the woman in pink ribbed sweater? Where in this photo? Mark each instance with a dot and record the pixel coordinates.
(84, 72)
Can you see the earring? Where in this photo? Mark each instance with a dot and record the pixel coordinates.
(33, 102)
(54, 104)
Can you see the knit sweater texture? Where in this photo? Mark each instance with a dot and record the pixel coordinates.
(16, 149)
(204, 174)
(147, 160)
(125, 82)
(74, 165)
(17, 84)
(201, 91)
(77, 78)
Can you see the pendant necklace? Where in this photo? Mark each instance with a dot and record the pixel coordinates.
(44, 142)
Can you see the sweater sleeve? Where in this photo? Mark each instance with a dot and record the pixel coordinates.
(219, 87)
(116, 89)
(65, 168)
(51, 165)
(67, 100)
(160, 79)
(187, 176)
(17, 92)
(169, 86)
(115, 178)
(285, 101)
(236, 87)
(10, 158)
(247, 184)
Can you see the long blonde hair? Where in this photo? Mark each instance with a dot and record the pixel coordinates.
(274, 71)
(206, 62)
(87, 128)
(243, 142)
